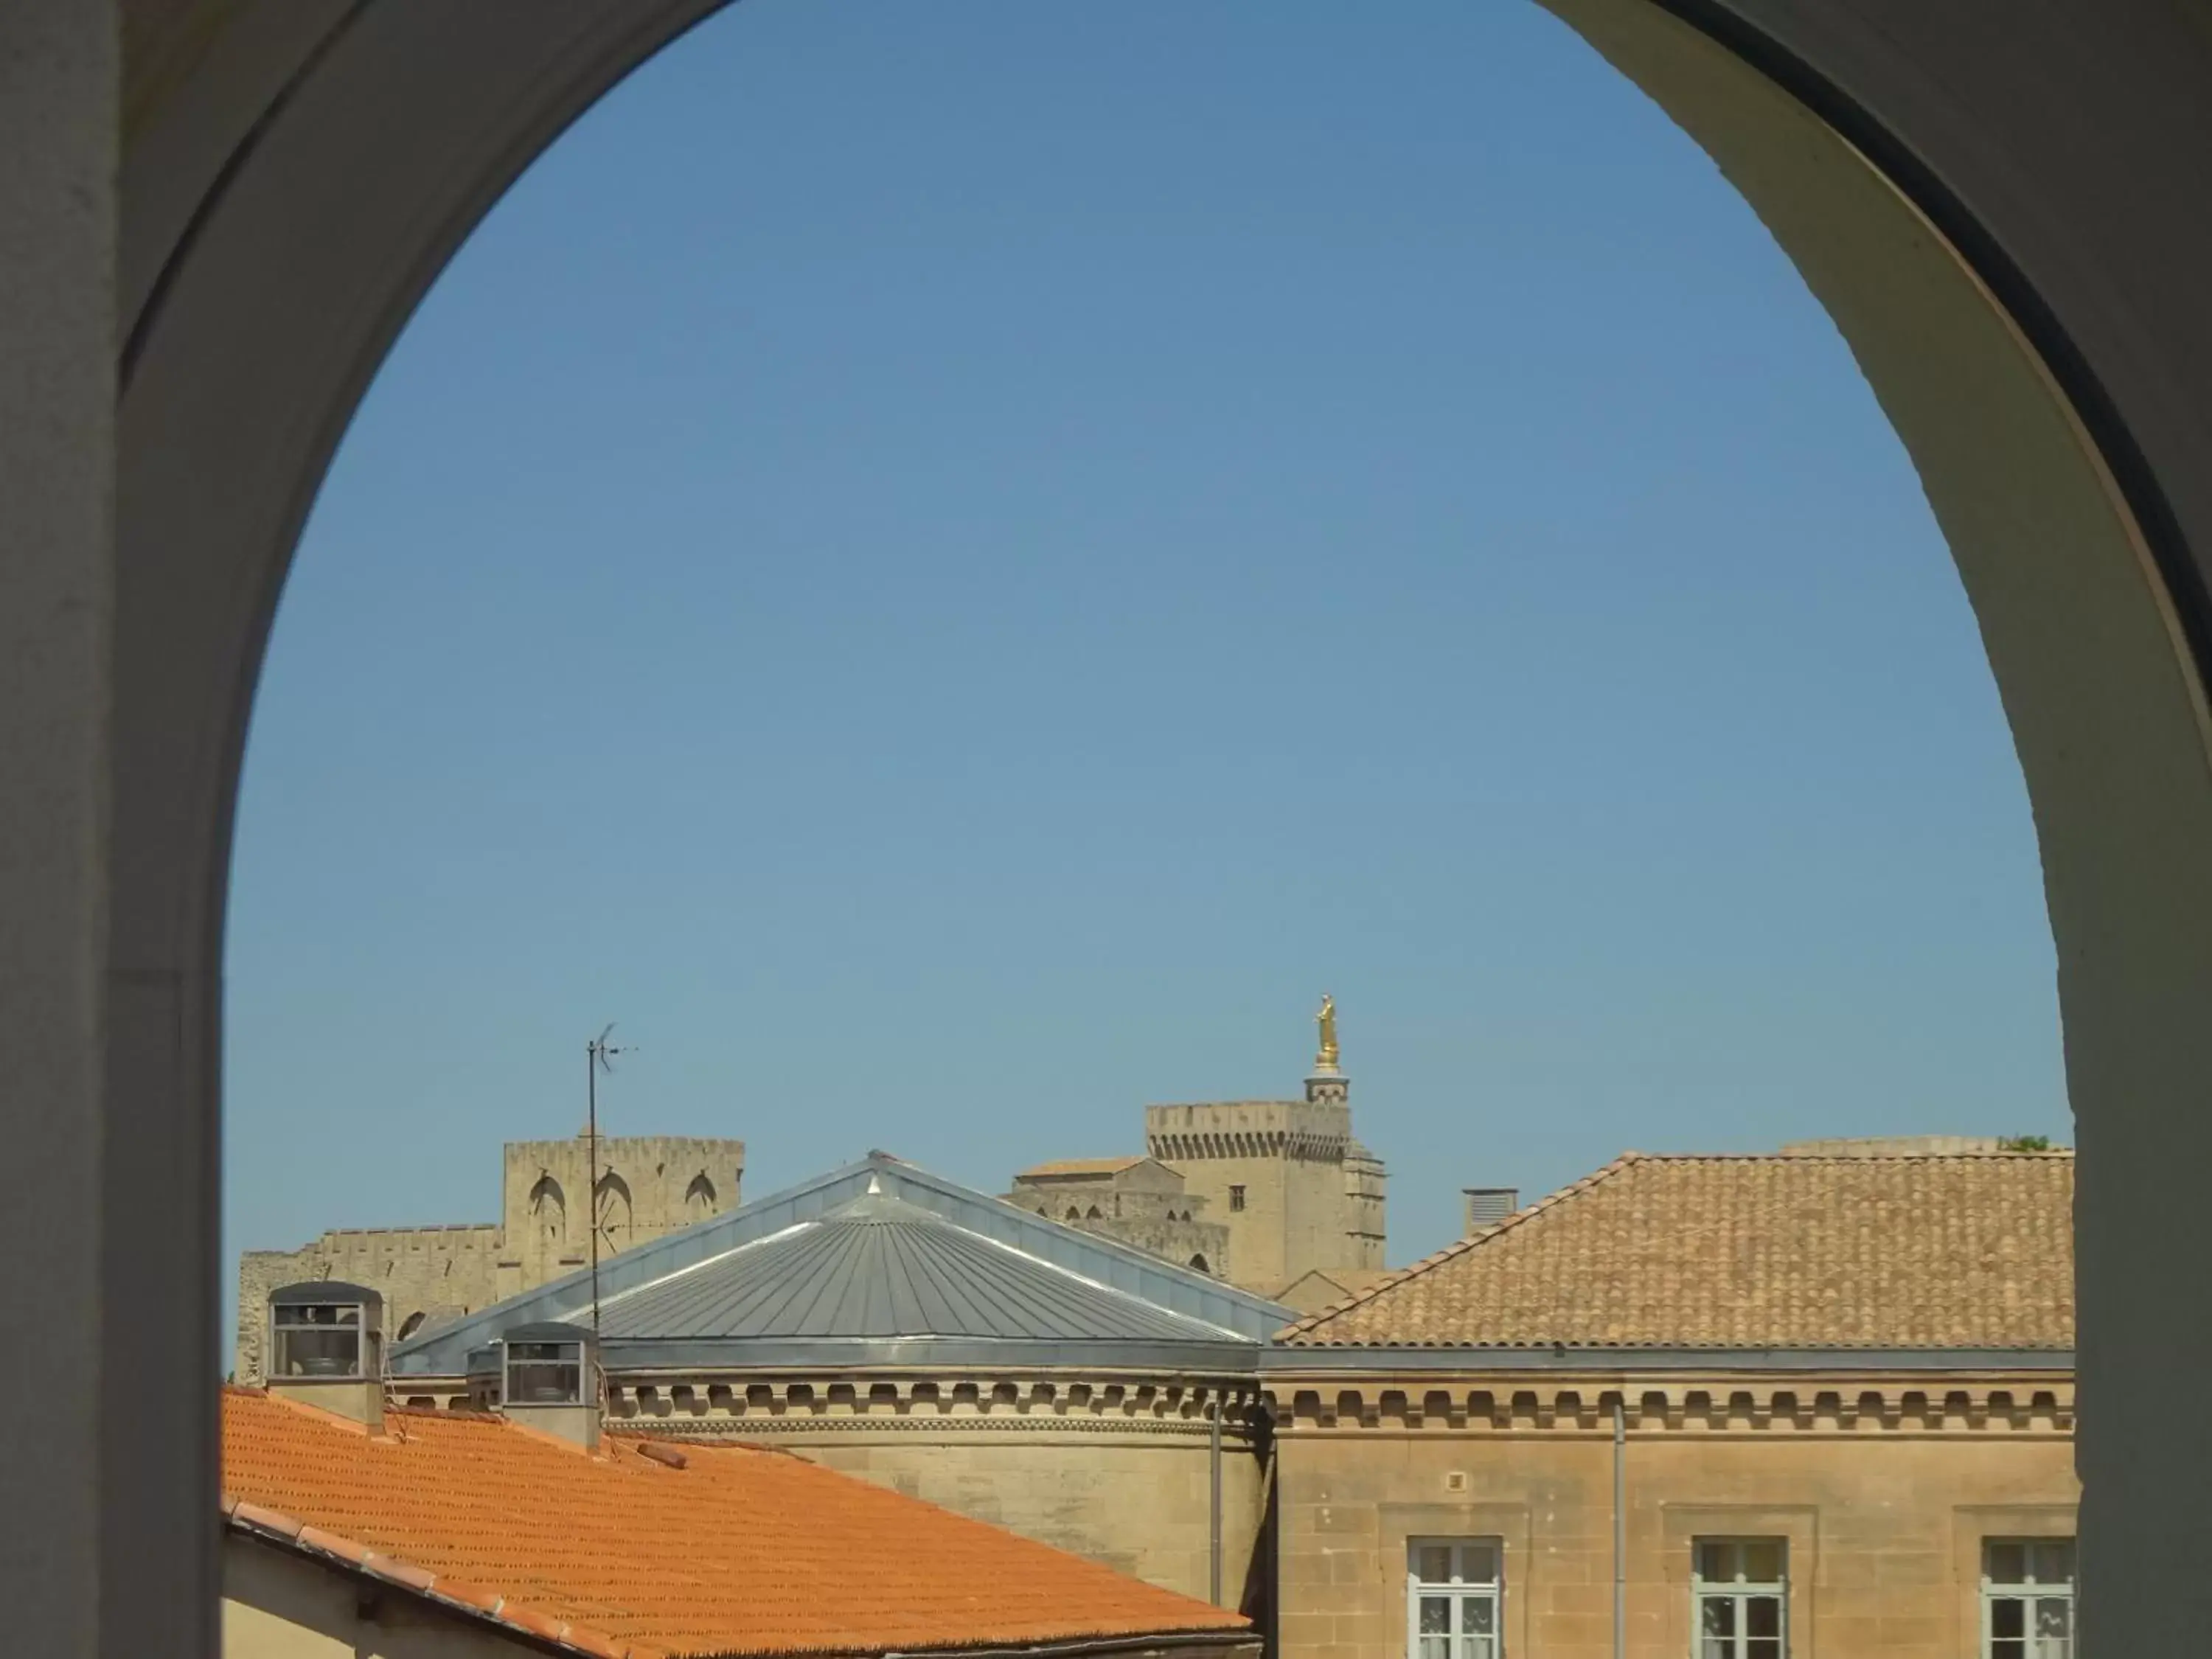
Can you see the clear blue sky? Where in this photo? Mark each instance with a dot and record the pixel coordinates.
(953, 566)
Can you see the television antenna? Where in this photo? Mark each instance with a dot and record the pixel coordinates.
(598, 1056)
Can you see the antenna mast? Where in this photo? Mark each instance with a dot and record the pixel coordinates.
(598, 1056)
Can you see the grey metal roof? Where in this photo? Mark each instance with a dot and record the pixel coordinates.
(879, 1266)
(882, 1263)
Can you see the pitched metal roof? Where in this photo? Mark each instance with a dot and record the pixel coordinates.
(881, 1263)
(879, 1266)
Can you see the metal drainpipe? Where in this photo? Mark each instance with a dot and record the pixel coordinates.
(1213, 1577)
(1620, 1527)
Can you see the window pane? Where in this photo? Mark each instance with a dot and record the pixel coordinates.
(2008, 1647)
(1435, 1615)
(2008, 1617)
(1439, 1647)
(1478, 1615)
(2007, 1564)
(1432, 1564)
(1479, 1647)
(1716, 1615)
(1762, 1615)
(1478, 1564)
(321, 1351)
(1715, 1564)
(1762, 1561)
(2053, 1561)
(545, 1384)
(1763, 1647)
(2054, 1628)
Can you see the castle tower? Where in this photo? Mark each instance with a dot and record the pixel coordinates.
(1296, 1190)
(647, 1185)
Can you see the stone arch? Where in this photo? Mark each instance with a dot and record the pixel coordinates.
(2032, 330)
(409, 1325)
(699, 1198)
(612, 1214)
(1198, 1262)
(1093, 1215)
(1074, 1214)
(549, 1210)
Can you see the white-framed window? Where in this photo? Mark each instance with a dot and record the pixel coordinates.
(2027, 1598)
(1740, 1598)
(1453, 1590)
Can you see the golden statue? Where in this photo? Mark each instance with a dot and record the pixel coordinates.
(1326, 1060)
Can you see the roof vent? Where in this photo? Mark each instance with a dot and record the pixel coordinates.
(546, 1376)
(1485, 1206)
(326, 1347)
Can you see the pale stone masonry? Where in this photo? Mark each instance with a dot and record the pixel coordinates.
(1860, 1360)
(1296, 1190)
(648, 1185)
(1139, 1200)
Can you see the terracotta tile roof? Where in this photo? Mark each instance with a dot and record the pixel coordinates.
(1971, 1251)
(739, 1551)
(1080, 1166)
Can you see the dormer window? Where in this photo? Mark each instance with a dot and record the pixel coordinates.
(324, 1330)
(540, 1373)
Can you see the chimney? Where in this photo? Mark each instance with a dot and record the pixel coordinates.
(326, 1348)
(1485, 1206)
(548, 1377)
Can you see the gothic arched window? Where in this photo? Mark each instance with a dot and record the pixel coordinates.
(549, 1210)
(699, 1198)
(611, 1213)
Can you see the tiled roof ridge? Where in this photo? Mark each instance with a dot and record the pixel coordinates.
(1989, 1157)
(457, 1595)
(1460, 1247)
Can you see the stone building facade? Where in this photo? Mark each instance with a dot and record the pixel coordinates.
(886, 1322)
(1139, 1200)
(1821, 1400)
(648, 1186)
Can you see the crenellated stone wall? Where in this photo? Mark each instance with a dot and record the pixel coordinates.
(425, 1275)
(648, 1185)
(1295, 1189)
(1138, 1202)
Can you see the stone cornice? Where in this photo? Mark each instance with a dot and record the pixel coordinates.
(2039, 1403)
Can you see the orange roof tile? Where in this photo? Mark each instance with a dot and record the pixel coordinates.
(1081, 1166)
(737, 1552)
(1972, 1250)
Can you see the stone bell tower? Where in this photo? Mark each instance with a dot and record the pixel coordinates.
(1296, 1190)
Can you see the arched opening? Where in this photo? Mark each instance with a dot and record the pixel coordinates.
(1092, 1214)
(1198, 1262)
(549, 1211)
(1073, 1215)
(699, 1198)
(409, 1325)
(611, 1213)
(2075, 554)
